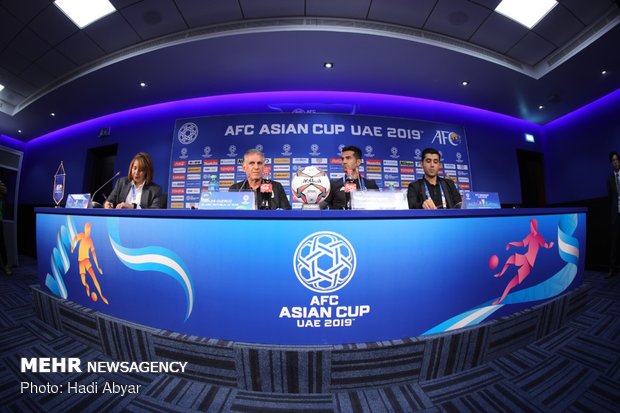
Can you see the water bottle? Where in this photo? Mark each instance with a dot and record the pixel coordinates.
(349, 186)
(213, 185)
(266, 190)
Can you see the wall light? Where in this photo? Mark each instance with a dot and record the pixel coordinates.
(529, 138)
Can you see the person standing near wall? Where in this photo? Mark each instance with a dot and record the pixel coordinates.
(613, 189)
(5, 261)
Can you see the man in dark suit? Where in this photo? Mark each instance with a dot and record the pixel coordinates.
(432, 191)
(254, 168)
(351, 161)
(613, 189)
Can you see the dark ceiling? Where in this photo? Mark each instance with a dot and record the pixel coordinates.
(193, 48)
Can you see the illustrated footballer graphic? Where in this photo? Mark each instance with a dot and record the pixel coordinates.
(525, 262)
(86, 245)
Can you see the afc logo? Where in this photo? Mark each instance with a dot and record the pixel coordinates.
(444, 137)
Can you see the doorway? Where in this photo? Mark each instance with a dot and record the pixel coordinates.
(100, 168)
(532, 176)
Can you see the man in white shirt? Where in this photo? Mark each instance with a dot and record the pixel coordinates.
(613, 189)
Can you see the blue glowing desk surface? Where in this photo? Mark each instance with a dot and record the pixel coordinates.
(310, 277)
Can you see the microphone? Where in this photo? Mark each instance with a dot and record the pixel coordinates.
(92, 198)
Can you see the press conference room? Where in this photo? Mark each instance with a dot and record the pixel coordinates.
(309, 205)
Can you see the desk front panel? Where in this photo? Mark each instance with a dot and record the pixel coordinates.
(276, 280)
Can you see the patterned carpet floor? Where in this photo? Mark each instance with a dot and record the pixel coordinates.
(575, 369)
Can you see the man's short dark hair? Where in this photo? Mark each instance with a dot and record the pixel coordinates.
(431, 151)
(612, 154)
(357, 152)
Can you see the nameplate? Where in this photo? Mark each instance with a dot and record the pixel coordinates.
(79, 201)
(481, 200)
(376, 200)
(227, 200)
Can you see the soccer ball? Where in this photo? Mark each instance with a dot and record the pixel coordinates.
(310, 185)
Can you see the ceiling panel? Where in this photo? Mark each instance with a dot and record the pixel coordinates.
(196, 13)
(25, 10)
(30, 45)
(354, 9)
(253, 9)
(154, 18)
(53, 26)
(13, 61)
(499, 33)
(80, 49)
(559, 26)
(489, 4)
(456, 18)
(403, 12)
(531, 49)
(9, 26)
(36, 76)
(112, 33)
(587, 11)
(55, 63)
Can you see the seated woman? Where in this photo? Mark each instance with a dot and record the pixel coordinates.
(138, 190)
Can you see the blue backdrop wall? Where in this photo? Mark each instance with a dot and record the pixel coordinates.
(492, 138)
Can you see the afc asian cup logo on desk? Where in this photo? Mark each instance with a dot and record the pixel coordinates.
(188, 133)
(324, 262)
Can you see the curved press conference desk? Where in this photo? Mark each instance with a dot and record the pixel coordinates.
(232, 284)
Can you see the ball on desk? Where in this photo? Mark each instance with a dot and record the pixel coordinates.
(493, 261)
(93, 296)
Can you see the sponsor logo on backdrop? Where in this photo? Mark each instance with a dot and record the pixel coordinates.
(177, 198)
(374, 176)
(206, 152)
(286, 150)
(281, 161)
(419, 171)
(228, 175)
(179, 170)
(462, 167)
(176, 205)
(390, 169)
(373, 168)
(390, 177)
(446, 137)
(461, 173)
(394, 152)
(464, 186)
(192, 191)
(369, 152)
(450, 173)
(194, 169)
(183, 154)
(194, 162)
(193, 177)
(179, 177)
(406, 163)
(178, 184)
(418, 154)
(228, 161)
(259, 147)
(232, 151)
(179, 163)
(188, 132)
(459, 157)
(461, 179)
(282, 168)
(324, 262)
(321, 161)
(335, 161)
(336, 175)
(282, 175)
(301, 160)
(373, 162)
(406, 170)
(178, 191)
(390, 162)
(407, 177)
(210, 162)
(227, 168)
(340, 147)
(314, 150)
(192, 198)
(449, 166)
(210, 169)
(226, 184)
(192, 184)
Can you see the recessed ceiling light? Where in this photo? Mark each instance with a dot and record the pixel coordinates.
(142, 84)
(328, 65)
(526, 12)
(82, 12)
(541, 107)
(19, 131)
(464, 83)
(604, 72)
(1, 87)
(52, 114)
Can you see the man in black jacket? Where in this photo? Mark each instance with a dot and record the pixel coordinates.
(432, 191)
(351, 160)
(254, 167)
(613, 189)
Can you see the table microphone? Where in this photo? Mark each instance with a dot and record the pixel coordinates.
(92, 198)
